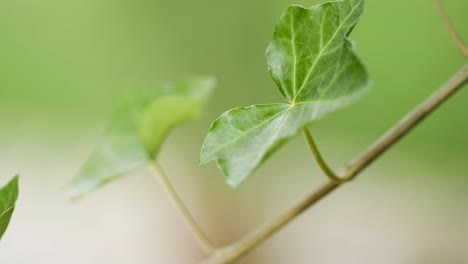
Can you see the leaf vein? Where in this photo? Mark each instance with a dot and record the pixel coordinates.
(243, 135)
(293, 46)
(6, 211)
(319, 56)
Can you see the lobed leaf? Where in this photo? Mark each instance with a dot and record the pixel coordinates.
(138, 130)
(315, 68)
(8, 196)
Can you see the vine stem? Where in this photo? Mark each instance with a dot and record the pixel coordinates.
(318, 157)
(201, 237)
(451, 29)
(238, 249)
(407, 123)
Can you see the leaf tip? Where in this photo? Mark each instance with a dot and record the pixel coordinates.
(77, 191)
(15, 180)
(233, 183)
(8, 198)
(13, 183)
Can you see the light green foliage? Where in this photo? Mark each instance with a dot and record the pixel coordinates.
(314, 66)
(138, 130)
(8, 196)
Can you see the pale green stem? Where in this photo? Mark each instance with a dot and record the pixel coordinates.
(451, 30)
(238, 249)
(407, 123)
(318, 157)
(202, 239)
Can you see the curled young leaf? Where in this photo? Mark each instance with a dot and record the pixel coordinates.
(8, 196)
(138, 130)
(316, 70)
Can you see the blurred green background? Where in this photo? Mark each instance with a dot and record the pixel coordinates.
(65, 65)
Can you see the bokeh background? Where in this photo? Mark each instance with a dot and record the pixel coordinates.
(64, 65)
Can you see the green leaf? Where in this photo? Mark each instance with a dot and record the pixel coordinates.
(315, 68)
(138, 130)
(8, 196)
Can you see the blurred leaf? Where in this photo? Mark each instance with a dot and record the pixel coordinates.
(8, 196)
(138, 130)
(314, 66)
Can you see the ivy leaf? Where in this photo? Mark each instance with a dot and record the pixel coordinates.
(138, 130)
(315, 68)
(8, 196)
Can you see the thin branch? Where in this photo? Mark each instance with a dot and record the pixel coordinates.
(202, 239)
(238, 249)
(451, 29)
(318, 157)
(251, 240)
(408, 123)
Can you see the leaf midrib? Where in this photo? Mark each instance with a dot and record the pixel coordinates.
(6, 211)
(319, 56)
(285, 111)
(293, 45)
(246, 132)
